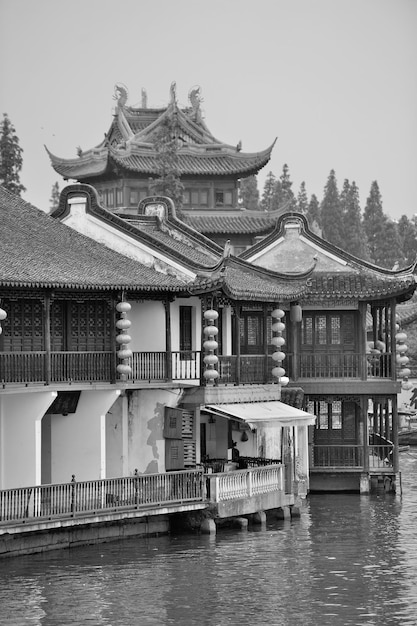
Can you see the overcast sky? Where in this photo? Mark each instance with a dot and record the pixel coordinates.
(334, 80)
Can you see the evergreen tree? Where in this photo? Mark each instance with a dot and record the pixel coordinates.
(54, 199)
(302, 200)
(344, 197)
(11, 160)
(355, 238)
(248, 193)
(331, 213)
(287, 200)
(407, 231)
(313, 215)
(374, 222)
(390, 254)
(269, 191)
(166, 146)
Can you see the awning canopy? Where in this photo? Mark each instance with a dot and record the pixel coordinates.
(271, 413)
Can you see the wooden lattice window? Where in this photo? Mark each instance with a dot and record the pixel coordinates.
(23, 328)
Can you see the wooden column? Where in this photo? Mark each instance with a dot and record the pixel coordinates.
(113, 365)
(265, 341)
(237, 341)
(47, 330)
(364, 413)
(395, 425)
(393, 344)
(168, 347)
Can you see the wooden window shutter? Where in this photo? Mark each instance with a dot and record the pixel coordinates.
(172, 423)
(174, 454)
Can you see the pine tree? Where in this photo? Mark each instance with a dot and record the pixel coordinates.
(267, 201)
(11, 160)
(166, 145)
(54, 199)
(355, 238)
(287, 200)
(313, 215)
(344, 196)
(248, 193)
(374, 222)
(390, 254)
(331, 213)
(302, 200)
(407, 231)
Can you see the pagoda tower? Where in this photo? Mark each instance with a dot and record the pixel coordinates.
(123, 165)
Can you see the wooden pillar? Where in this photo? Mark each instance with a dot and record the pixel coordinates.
(393, 346)
(237, 341)
(47, 330)
(362, 343)
(363, 407)
(168, 346)
(395, 425)
(265, 342)
(113, 365)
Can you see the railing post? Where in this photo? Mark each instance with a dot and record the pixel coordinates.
(73, 500)
(249, 484)
(136, 487)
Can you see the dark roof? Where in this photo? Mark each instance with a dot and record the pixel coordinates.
(338, 274)
(129, 144)
(39, 251)
(231, 222)
(169, 236)
(241, 281)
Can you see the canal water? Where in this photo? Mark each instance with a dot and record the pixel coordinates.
(348, 559)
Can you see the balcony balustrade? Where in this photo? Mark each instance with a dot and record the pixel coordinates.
(87, 367)
(98, 496)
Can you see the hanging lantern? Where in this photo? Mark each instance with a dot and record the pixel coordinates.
(401, 358)
(123, 339)
(278, 341)
(296, 312)
(123, 307)
(210, 345)
(3, 316)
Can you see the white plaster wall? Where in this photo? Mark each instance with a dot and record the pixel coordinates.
(114, 440)
(20, 437)
(78, 440)
(146, 422)
(119, 241)
(148, 326)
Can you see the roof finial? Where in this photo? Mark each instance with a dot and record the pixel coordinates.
(144, 99)
(173, 92)
(120, 94)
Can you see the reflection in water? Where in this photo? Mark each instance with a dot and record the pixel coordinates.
(349, 559)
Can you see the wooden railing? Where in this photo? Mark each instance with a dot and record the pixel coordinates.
(349, 456)
(81, 367)
(98, 496)
(245, 483)
(58, 367)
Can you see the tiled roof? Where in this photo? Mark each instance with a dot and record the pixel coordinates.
(361, 286)
(175, 242)
(195, 163)
(241, 281)
(37, 250)
(237, 223)
(129, 143)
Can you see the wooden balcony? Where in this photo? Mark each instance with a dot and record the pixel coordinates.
(95, 367)
(348, 457)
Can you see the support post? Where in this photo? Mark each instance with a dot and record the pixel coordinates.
(168, 347)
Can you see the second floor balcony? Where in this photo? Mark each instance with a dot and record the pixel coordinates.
(187, 366)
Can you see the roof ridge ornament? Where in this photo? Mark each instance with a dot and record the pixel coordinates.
(120, 94)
